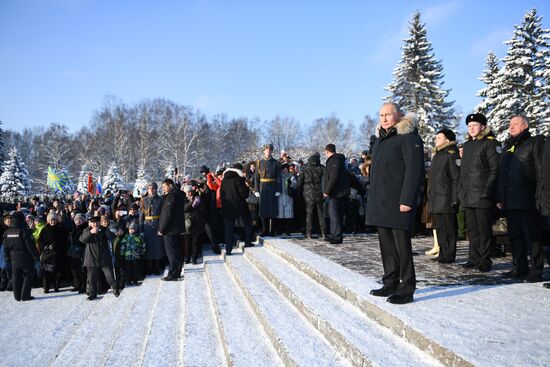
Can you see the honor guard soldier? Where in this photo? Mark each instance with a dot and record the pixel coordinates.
(149, 219)
(268, 189)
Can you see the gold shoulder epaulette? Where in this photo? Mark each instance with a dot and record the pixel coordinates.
(451, 151)
(490, 138)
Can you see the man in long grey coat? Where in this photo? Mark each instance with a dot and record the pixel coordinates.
(268, 189)
(149, 219)
(396, 174)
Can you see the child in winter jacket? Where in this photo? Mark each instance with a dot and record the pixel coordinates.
(132, 249)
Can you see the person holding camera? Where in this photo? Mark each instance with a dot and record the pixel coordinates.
(97, 257)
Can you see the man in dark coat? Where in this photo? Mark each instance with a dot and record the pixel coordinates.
(477, 189)
(97, 256)
(544, 192)
(268, 189)
(149, 220)
(336, 189)
(443, 194)
(233, 194)
(396, 174)
(20, 252)
(310, 183)
(519, 176)
(172, 226)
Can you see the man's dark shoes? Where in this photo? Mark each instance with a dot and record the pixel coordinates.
(398, 299)
(168, 279)
(336, 241)
(217, 250)
(533, 278)
(92, 297)
(515, 274)
(445, 261)
(382, 292)
(249, 245)
(27, 299)
(468, 265)
(116, 292)
(546, 285)
(484, 268)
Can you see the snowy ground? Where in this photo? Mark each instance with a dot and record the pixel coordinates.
(181, 323)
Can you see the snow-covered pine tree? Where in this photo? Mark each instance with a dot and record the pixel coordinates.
(142, 180)
(82, 185)
(113, 180)
(520, 81)
(418, 86)
(489, 93)
(170, 171)
(14, 181)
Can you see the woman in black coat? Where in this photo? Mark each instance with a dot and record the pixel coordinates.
(443, 194)
(54, 237)
(233, 195)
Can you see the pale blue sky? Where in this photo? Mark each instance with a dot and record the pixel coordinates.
(304, 59)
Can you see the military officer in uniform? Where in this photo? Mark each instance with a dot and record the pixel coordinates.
(149, 218)
(478, 184)
(268, 189)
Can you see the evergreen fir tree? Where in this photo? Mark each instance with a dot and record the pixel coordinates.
(14, 181)
(490, 92)
(142, 180)
(418, 87)
(113, 180)
(520, 82)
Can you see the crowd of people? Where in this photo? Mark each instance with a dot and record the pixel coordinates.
(115, 240)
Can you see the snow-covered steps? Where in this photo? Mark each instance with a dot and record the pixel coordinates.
(243, 340)
(92, 342)
(360, 339)
(297, 342)
(354, 289)
(202, 344)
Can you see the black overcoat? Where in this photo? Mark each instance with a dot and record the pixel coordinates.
(97, 248)
(172, 215)
(479, 171)
(233, 194)
(268, 182)
(396, 174)
(443, 180)
(19, 248)
(335, 178)
(520, 172)
(544, 194)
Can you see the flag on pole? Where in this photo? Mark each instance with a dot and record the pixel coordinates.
(57, 180)
(98, 189)
(90, 183)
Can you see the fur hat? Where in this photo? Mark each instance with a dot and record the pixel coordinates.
(477, 117)
(52, 216)
(449, 134)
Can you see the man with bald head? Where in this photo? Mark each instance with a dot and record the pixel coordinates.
(519, 176)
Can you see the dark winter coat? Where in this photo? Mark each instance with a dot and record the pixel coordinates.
(520, 172)
(97, 248)
(172, 215)
(396, 174)
(57, 237)
(149, 219)
(335, 178)
(234, 193)
(443, 180)
(19, 248)
(194, 213)
(268, 182)
(74, 238)
(311, 178)
(479, 171)
(544, 195)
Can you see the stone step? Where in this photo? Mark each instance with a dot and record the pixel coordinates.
(100, 329)
(164, 345)
(243, 340)
(130, 344)
(354, 288)
(360, 339)
(297, 342)
(202, 344)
